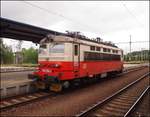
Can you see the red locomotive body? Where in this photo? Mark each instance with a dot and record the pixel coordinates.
(64, 59)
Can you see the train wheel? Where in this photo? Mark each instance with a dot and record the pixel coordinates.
(121, 71)
(66, 84)
(75, 83)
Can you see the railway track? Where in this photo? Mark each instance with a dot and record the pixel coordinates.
(120, 103)
(142, 107)
(19, 100)
(135, 105)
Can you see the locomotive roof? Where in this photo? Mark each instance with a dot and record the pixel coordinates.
(66, 39)
(97, 40)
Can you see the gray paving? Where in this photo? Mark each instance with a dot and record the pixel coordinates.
(15, 75)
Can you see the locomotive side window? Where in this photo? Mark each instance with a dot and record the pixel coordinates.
(75, 50)
(57, 48)
(89, 56)
(115, 51)
(98, 49)
(108, 50)
(104, 50)
(92, 47)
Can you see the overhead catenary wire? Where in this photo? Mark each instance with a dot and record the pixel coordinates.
(74, 20)
(58, 14)
(130, 12)
(132, 42)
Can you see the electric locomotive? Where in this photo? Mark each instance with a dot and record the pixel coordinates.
(66, 58)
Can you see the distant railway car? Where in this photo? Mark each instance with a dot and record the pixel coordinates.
(65, 59)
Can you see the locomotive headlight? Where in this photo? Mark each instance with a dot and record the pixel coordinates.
(56, 65)
(46, 70)
(36, 69)
(43, 70)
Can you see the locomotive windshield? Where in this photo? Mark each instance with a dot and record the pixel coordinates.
(42, 49)
(56, 48)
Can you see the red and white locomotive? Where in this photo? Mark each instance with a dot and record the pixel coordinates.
(64, 59)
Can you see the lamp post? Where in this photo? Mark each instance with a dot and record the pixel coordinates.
(130, 49)
(142, 54)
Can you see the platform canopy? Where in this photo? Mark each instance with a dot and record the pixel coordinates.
(21, 31)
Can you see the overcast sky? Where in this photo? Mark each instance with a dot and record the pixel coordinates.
(111, 20)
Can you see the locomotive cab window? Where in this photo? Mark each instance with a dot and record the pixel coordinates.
(75, 50)
(57, 48)
(42, 49)
(43, 46)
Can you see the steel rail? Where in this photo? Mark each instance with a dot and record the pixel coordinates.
(100, 103)
(136, 102)
(28, 98)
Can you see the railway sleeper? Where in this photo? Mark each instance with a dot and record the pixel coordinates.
(111, 109)
(128, 98)
(112, 105)
(119, 99)
(108, 112)
(120, 103)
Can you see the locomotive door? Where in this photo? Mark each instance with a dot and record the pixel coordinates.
(76, 59)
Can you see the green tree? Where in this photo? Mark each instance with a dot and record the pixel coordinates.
(6, 53)
(1, 50)
(143, 55)
(30, 55)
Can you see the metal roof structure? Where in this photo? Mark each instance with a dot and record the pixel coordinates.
(21, 31)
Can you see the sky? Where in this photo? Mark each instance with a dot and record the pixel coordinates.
(111, 20)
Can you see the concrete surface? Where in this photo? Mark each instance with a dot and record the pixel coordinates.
(131, 65)
(15, 69)
(11, 87)
(15, 83)
(15, 75)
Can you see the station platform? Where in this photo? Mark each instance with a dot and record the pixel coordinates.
(15, 69)
(15, 83)
(16, 87)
